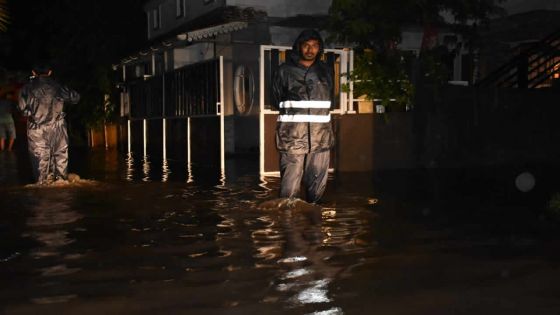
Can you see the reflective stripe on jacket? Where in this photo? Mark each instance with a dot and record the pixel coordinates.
(303, 97)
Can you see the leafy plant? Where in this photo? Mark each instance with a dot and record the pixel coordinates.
(4, 15)
(374, 29)
(382, 77)
(96, 106)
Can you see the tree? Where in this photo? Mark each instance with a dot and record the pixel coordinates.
(4, 15)
(375, 28)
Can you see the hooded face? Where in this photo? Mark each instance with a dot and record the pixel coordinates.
(309, 49)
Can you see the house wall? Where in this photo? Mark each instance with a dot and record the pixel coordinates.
(246, 50)
(168, 13)
(191, 54)
(196, 8)
(224, 49)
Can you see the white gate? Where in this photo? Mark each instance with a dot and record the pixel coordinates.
(270, 58)
(188, 100)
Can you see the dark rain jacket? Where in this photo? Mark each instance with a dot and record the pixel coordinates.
(42, 101)
(304, 97)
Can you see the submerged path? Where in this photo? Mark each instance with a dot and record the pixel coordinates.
(136, 242)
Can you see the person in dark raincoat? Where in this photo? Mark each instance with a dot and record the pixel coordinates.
(302, 90)
(7, 126)
(42, 101)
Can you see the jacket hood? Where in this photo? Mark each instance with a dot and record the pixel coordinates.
(303, 37)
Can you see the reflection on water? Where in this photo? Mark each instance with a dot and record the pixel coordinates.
(50, 215)
(146, 169)
(51, 222)
(153, 238)
(162, 236)
(165, 171)
(129, 167)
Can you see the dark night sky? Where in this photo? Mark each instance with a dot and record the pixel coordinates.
(77, 33)
(72, 34)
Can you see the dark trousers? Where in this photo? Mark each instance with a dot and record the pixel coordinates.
(312, 168)
(48, 147)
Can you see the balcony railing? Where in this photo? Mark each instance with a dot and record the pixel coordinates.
(535, 67)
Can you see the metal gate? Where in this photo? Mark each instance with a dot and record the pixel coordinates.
(161, 106)
(271, 57)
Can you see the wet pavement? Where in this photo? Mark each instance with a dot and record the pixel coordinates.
(141, 236)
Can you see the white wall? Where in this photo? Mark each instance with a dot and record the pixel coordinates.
(192, 54)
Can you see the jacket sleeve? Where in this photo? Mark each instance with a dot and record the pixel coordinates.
(23, 99)
(276, 90)
(69, 95)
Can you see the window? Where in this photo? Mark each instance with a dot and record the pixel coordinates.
(180, 8)
(156, 21)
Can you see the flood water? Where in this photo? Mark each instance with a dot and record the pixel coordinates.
(137, 236)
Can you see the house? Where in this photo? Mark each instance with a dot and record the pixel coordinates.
(199, 91)
(521, 50)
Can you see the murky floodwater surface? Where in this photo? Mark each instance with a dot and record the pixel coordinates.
(145, 238)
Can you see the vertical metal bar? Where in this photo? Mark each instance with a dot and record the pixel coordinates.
(153, 64)
(147, 98)
(163, 114)
(351, 93)
(189, 161)
(189, 92)
(145, 136)
(164, 139)
(261, 110)
(187, 100)
(142, 92)
(185, 92)
(343, 81)
(183, 97)
(331, 59)
(195, 90)
(274, 63)
(222, 112)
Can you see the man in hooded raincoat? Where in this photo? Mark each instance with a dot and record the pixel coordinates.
(42, 101)
(303, 93)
